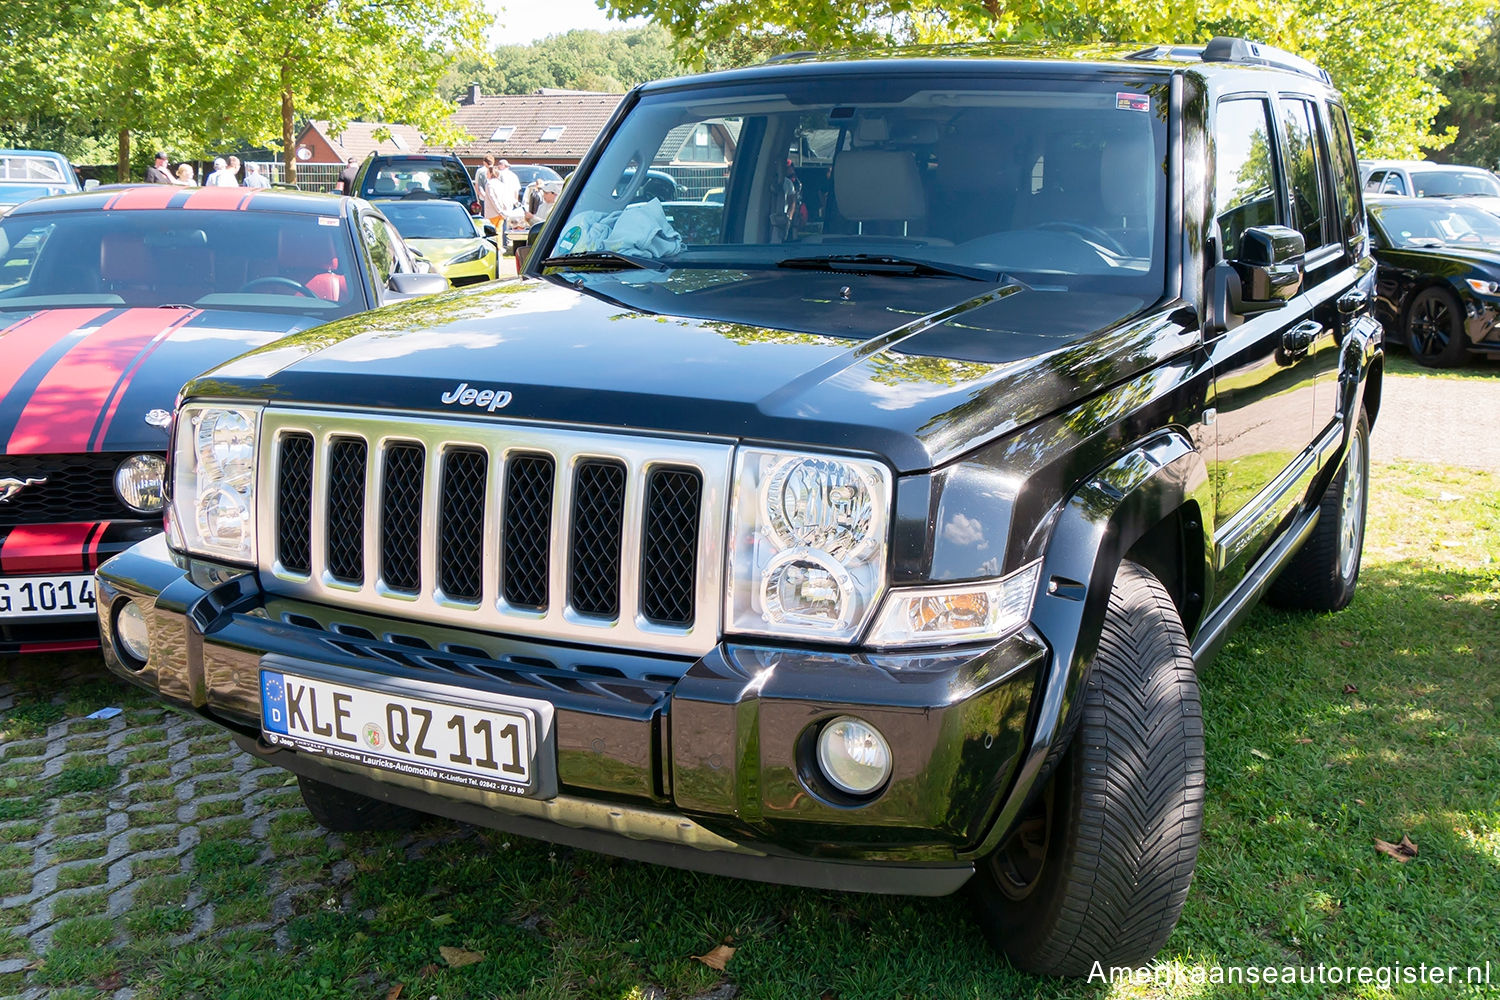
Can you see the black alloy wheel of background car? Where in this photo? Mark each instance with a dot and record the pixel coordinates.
(1435, 329)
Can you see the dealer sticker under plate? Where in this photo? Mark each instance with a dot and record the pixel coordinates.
(424, 730)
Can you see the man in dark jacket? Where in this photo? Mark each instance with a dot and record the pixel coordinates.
(157, 172)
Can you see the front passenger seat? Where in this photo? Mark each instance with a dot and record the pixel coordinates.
(310, 258)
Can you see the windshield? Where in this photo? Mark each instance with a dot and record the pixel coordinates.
(33, 169)
(214, 259)
(429, 220)
(395, 178)
(1441, 183)
(1051, 181)
(1413, 226)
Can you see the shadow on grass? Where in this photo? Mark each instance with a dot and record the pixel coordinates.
(1326, 732)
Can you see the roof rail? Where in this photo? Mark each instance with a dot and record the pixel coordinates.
(1223, 48)
(1157, 53)
(784, 56)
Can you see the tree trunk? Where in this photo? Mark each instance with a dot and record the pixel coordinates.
(122, 166)
(288, 149)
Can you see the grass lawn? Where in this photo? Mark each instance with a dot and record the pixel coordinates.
(1325, 733)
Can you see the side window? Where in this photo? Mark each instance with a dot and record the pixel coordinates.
(1345, 173)
(1376, 177)
(1393, 184)
(1244, 180)
(1305, 172)
(400, 257)
(378, 244)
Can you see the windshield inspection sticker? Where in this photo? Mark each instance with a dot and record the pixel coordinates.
(1132, 102)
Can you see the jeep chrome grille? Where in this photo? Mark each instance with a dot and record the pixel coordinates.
(539, 532)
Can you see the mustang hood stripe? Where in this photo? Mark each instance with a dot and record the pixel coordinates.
(72, 404)
(47, 548)
(146, 196)
(223, 198)
(22, 343)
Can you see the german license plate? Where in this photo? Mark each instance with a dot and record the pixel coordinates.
(475, 739)
(40, 596)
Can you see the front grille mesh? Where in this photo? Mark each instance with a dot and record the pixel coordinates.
(346, 510)
(537, 535)
(461, 531)
(62, 488)
(594, 565)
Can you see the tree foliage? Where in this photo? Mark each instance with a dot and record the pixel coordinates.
(1384, 57)
(1473, 92)
(200, 75)
(610, 61)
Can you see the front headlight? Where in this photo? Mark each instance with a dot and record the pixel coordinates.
(1484, 287)
(980, 611)
(808, 549)
(480, 251)
(213, 481)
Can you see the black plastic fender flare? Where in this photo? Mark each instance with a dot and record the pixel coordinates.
(1095, 527)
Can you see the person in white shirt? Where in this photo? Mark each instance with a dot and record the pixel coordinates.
(510, 187)
(221, 176)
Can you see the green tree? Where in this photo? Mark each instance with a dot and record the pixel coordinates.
(1473, 92)
(1384, 57)
(610, 61)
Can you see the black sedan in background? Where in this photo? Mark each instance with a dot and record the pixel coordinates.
(1438, 286)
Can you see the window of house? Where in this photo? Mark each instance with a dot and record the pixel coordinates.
(552, 133)
(502, 133)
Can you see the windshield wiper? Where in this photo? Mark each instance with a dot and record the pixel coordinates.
(871, 263)
(604, 260)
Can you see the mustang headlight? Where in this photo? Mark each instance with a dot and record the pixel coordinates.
(808, 549)
(213, 481)
(480, 251)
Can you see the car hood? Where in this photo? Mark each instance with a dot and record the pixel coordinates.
(83, 380)
(442, 251)
(1487, 257)
(915, 369)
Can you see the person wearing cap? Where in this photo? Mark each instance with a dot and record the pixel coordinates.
(254, 178)
(157, 172)
(222, 176)
(550, 191)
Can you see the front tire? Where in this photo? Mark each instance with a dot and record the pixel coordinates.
(1322, 576)
(1435, 329)
(1099, 870)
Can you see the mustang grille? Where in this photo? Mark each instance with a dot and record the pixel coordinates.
(539, 532)
(77, 488)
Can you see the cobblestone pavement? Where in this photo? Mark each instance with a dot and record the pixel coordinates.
(100, 822)
(1441, 421)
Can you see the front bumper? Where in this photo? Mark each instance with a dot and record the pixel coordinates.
(59, 550)
(701, 764)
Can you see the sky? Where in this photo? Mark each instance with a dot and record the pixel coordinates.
(520, 21)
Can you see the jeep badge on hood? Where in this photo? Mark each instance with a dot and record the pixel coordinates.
(490, 399)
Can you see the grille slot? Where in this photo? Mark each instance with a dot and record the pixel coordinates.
(527, 531)
(77, 488)
(669, 546)
(346, 510)
(461, 528)
(294, 503)
(514, 529)
(401, 517)
(594, 562)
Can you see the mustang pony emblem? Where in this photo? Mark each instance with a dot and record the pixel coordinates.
(10, 487)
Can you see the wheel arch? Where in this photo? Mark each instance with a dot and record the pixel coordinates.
(1149, 501)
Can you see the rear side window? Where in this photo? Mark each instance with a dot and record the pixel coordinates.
(1244, 179)
(1305, 171)
(1345, 173)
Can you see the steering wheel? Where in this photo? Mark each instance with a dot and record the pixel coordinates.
(277, 281)
(1091, 233)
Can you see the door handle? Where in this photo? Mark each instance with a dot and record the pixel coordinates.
(1352, 301)
(1298, 339)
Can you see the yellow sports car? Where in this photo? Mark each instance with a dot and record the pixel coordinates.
(460, 247)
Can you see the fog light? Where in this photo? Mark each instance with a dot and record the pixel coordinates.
(138, 482)
(130, 632)
(853, 756)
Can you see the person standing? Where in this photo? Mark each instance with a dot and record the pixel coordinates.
(221, 177)
(345, 183)
(185, 176)
(490, 196)
(254, 178)
(157, 172)
(234, 171)
(510, 187)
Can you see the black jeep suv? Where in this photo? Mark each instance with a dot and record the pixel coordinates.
(865, 538)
